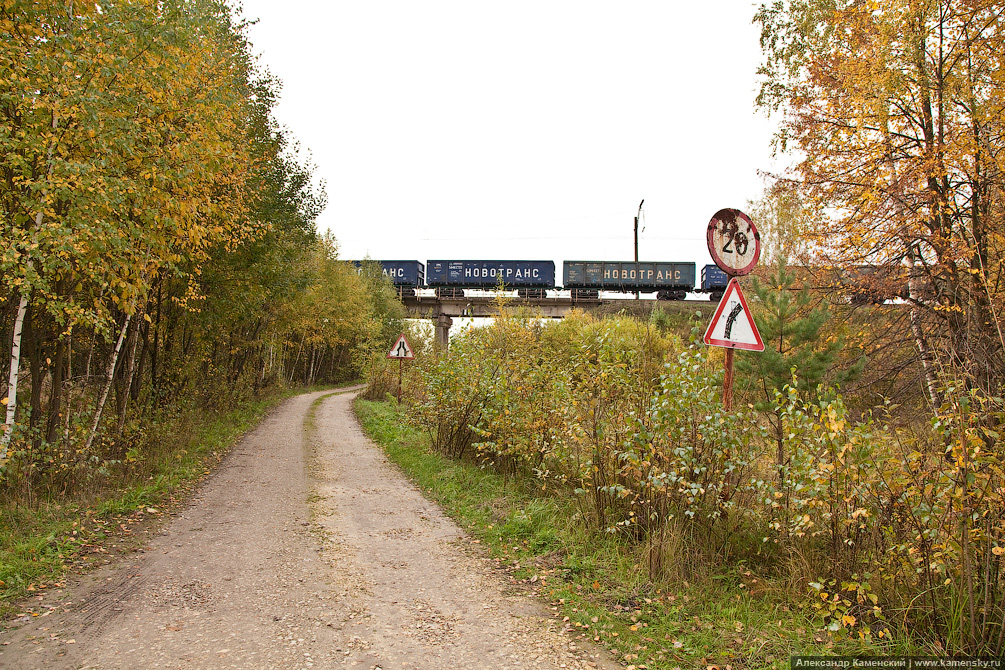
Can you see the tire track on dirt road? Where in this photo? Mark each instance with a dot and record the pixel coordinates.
(305, 549)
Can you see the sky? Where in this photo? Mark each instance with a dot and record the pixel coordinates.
(520, 130)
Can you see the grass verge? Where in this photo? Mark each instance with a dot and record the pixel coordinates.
(596, 584)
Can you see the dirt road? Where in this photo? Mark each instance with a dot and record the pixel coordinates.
(306, 549)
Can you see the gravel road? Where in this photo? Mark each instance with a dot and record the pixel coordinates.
(305, 549)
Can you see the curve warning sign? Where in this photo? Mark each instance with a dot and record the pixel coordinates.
(733, 326)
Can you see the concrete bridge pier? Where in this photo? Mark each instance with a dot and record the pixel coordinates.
(443, 323)
(440, 310)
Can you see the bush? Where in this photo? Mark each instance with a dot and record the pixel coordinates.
(688, 460)
(880, 526)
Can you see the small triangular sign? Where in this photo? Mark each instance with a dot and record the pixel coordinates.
(401, 349)
(733, 326)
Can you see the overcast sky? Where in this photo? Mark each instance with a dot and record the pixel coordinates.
(520, 130)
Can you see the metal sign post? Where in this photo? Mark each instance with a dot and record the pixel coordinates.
(732, 327)
(735, 246)
(401, 350)
(727, 382)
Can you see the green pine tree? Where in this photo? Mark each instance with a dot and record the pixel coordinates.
(790, 326)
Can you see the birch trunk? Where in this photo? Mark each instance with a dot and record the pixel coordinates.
(109, 378)
(914, 295)
(15, 362)
(130, 370)
(920, 341)
(293, 369)
(15, 349)
(310, 374)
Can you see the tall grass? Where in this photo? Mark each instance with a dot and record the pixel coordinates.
(875, 531)
(597, 584)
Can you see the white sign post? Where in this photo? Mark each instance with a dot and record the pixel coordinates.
(401, 350)
(735, 246)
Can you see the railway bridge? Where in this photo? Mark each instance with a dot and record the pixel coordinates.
(443, 310)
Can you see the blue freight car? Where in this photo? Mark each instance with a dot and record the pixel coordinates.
(489, 274)
(402, 273)
(713, 281)
(671, 281)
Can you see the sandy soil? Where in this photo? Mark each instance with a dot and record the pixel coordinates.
(305, 549)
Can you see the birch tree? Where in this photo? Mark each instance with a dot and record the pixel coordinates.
(125, 131)
(896, 107)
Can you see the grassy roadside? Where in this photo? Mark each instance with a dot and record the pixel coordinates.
(39, 545)
(595, 585)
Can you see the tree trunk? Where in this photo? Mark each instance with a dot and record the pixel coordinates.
(15, 349)
(109, 378)
(920, 341)
(36, 352)
(127, 386)
(914, 294)
(155, 346)
(15, 362)
(90, 356)
(69, 391)
(137, 385)
(293, 368)
(58, 377)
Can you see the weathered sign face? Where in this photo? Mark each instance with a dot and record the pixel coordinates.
(733, 242)
(733, 325)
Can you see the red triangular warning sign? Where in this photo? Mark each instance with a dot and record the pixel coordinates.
(401, 349)
(733, 326)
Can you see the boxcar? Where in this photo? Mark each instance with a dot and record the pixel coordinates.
(628, 276)
(713, 278)
(713, 281)
(402, 273)
(489, 274)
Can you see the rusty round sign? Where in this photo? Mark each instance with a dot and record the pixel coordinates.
(734, 242)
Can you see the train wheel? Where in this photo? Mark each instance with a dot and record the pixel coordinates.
(671, 295)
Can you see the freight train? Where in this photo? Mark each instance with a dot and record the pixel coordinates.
(585, 279)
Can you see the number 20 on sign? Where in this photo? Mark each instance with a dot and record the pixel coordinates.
(733, 242)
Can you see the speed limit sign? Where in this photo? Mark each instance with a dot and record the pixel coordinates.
(734, 242)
